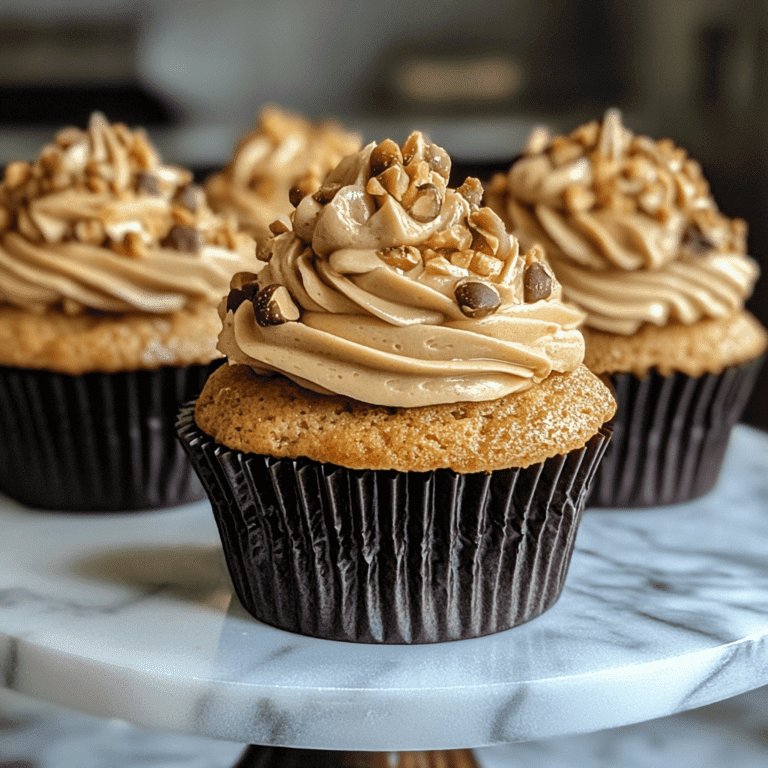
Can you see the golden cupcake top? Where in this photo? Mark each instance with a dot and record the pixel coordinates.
(629, 226)
(283, 152)
(389, 287)
(99, 222)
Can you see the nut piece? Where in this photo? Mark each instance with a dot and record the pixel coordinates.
(476, 299)
(191, 197)
(427, 205)
(404, 257)
(90, 231)
(385, 155)
(243, 287)
(280, 226)
(326, 192)
(537, 283)
(185, 239)
(695, 241)
(414, 147)
(16, 174)
(274, 306)
(146, 183)
(438, 159)
(471, 190)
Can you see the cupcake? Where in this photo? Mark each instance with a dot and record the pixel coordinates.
(111, 270)
(635, 238)
(400, 446)
(282, 152)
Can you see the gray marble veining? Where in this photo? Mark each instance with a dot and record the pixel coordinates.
(132, 616)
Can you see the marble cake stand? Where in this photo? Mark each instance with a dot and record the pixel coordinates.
(132, 616)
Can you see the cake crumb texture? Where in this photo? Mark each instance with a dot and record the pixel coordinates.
(77, 344)
(707, 346)
(276, 417)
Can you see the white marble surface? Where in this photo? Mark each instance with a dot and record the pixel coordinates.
(733, 733)
(132, 617)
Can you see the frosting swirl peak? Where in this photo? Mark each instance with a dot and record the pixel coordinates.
(391, 288)
(99, 222)
(629, 226)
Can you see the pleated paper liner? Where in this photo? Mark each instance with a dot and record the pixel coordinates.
(99, 441)
(670, 434)
(392, 557)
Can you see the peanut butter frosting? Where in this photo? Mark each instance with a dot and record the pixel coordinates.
(98, 222)
(628, 225)
(393, 289)
(284, 150)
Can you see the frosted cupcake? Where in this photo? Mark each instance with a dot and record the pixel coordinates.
(284, 152)
(632, 232)
(111, 270)
(401, 444)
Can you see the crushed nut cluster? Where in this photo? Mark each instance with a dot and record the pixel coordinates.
(475, 255)
(630, 174)
(106, 186)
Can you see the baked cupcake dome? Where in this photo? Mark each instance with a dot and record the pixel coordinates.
(637, 242)
(283, 151)
(111, 269)
(404, 398)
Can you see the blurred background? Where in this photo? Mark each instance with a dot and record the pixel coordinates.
(476, 75)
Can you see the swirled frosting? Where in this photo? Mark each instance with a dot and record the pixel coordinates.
(628, 225)
(98, 222)
(283, 150)
(391, 288)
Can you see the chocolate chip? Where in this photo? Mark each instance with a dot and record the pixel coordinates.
(427, 204)
(274, 306)
(295, 195)
(190, 196)
(476, 299)
(185, 239)
(147, 183)
(537, 283)
(696, 241)
(237, 296)
(385, 155)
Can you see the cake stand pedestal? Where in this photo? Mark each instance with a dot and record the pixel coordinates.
(133, 617)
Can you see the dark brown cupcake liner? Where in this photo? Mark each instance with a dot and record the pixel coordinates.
(670, 434)
(392, 557)
(99, 441)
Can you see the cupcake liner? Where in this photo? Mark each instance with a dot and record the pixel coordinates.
(392, 557)
(99, 441)
(670, 434)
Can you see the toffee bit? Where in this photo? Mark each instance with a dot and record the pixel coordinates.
(537, 283)
(471, 190)
(186, 239)
(477, 299)
(326, 192)
(191, 197)
(404, 257)
(146, 183)
(439, 160)
(385, 155)
(696, 241)
(274, 306)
